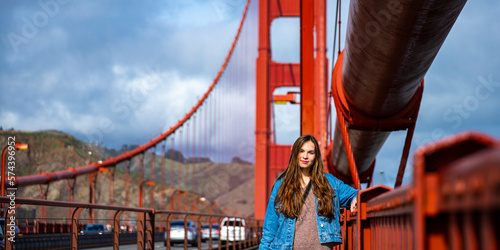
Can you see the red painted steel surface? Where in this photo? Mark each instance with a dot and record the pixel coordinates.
(307, 67)
(262, 118)
(322, 101)
(272, 75)
(390, 45)
(281, 156)
(352, 124)
(452, 202)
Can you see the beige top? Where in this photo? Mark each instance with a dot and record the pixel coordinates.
(306, 227)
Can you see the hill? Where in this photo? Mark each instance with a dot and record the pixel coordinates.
(228, 184)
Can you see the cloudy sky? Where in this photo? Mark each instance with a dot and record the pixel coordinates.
(69, 65)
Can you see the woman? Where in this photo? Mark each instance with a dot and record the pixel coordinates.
(303, 210)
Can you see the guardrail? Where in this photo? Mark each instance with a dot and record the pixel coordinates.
(453, 201)
(145, 236)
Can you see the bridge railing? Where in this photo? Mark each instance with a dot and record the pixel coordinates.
(453, 201)
(145, 235)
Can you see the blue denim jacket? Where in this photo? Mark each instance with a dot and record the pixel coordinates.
(280, 230)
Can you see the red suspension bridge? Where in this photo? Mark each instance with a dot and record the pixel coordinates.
(375, 88)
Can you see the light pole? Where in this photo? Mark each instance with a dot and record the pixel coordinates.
(149, 183)
(212, 210)
(203, 200)
(176, 191)
(88, 159)
(91, 188)
(9, 148)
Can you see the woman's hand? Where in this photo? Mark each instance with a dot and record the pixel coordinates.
(354, 204)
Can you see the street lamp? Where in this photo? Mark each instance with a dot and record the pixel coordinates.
(9, 148)
(203, 200)
(90, 154)
(149, 183)
(212, 207)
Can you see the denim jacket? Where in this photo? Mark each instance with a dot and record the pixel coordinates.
(279, 230)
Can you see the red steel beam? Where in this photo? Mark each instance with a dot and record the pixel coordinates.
(271, 158)
(307, 67)
(283, 75)
(321, 78)
(450, 204)
(262, 117)
(390, 45)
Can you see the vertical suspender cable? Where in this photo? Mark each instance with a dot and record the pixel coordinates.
(204, 145)
(197, 154)
(152, 177)
(172, 161)
(162, 173)
(212, 137)
(218, 125)
(193, 161)
(188, 155)
(226, 106)
(340, 24)
(180, 167)
(127, 187)
(210, 140)
(200, 152)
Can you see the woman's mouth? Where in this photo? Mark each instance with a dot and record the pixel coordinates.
(304, 162)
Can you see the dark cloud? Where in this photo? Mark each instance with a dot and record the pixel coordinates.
(73, 64)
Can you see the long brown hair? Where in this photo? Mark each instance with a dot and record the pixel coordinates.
(288, 200)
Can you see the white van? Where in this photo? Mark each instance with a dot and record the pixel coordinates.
(232, 229)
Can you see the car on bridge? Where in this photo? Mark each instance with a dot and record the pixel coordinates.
(205, 232)
(233, 229)
(177, 233)
(6, 232)
(94, 228)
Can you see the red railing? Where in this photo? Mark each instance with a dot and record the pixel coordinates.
(452, 202)
(147, 225)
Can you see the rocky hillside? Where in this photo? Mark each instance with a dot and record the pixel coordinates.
(227, 184)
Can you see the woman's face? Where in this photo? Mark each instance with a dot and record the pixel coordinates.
(306, 155)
